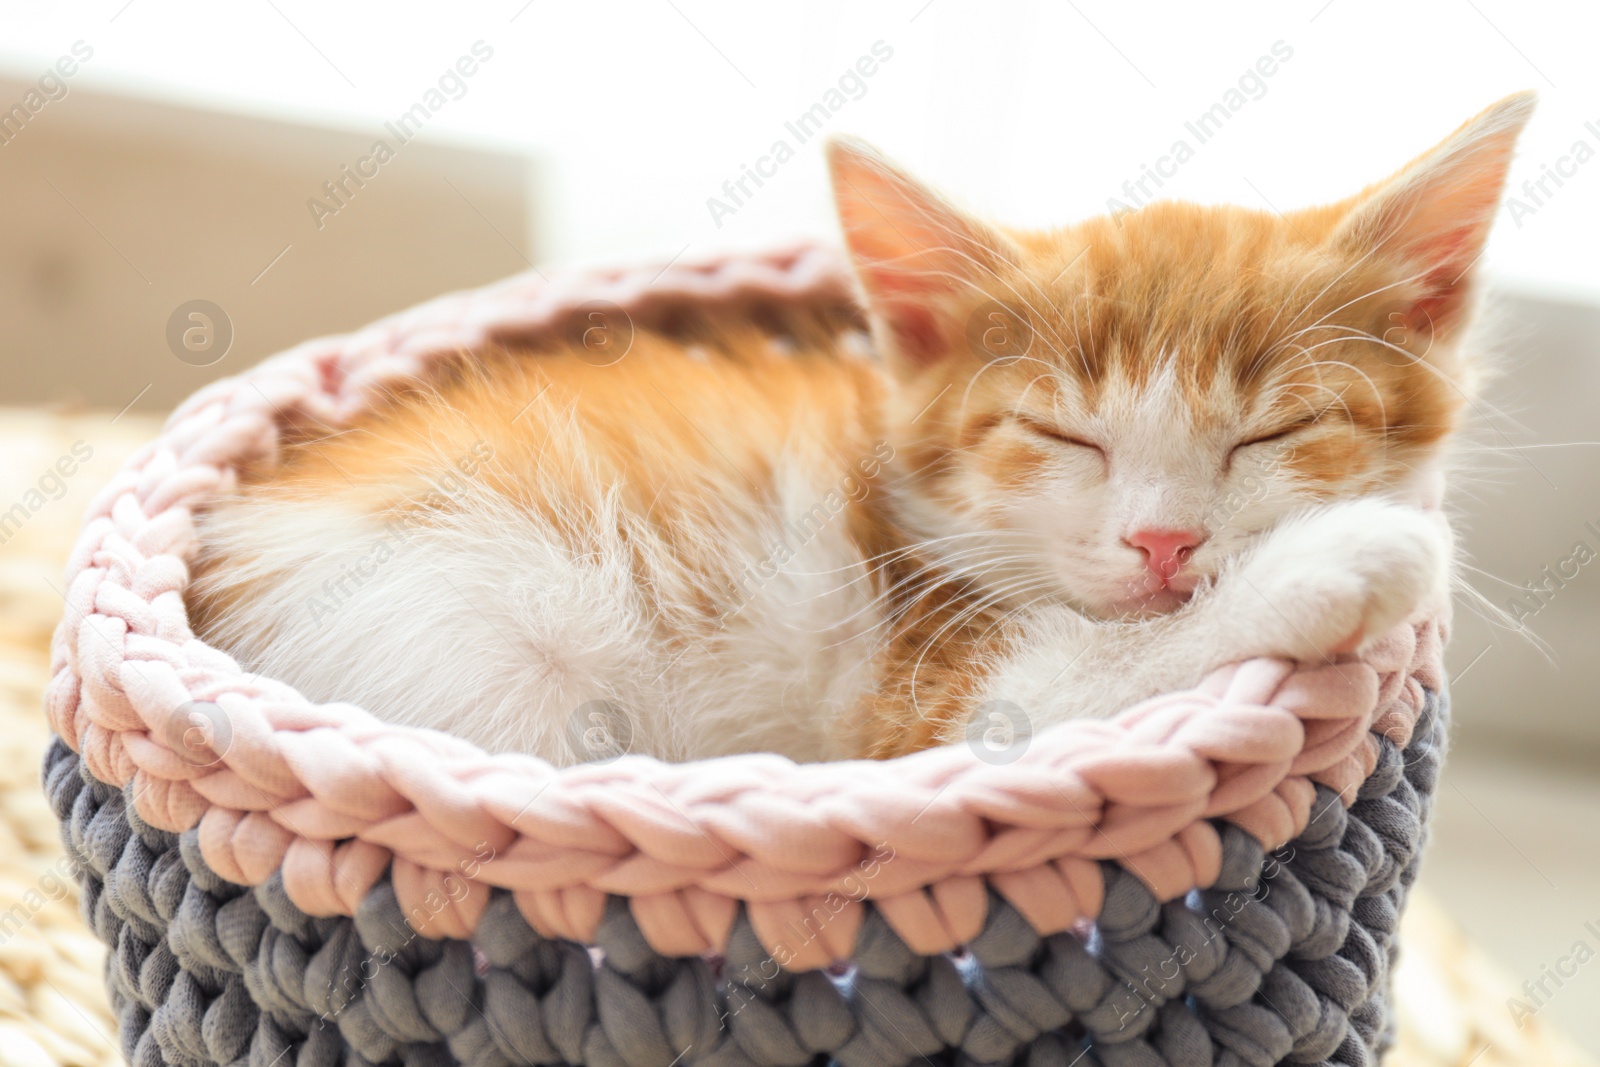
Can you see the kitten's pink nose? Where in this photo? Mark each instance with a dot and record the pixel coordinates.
(1166, 551)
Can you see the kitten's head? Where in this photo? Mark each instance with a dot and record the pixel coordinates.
(1106, 412)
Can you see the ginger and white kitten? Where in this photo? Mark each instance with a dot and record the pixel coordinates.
(1087, 465)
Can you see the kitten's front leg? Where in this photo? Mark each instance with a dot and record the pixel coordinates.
(1326, 581)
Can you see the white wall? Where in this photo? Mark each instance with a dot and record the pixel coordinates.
(1034, 111)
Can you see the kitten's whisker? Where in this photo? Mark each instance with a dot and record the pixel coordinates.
(1321, 292)
(1316, 365)
(961, 618)
(916, 585)
(1338, 278)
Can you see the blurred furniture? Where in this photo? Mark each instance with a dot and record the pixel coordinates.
(122, 210)
(1528, 488)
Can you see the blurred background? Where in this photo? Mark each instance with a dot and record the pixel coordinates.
(285, 169)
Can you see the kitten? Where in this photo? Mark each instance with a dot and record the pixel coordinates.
(1087, 465)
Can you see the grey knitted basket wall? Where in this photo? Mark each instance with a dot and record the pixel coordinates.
(1286, 959)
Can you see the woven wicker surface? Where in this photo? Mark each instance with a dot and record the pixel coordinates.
(1451, 1001)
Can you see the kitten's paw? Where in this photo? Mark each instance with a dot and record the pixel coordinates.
(1335, 579)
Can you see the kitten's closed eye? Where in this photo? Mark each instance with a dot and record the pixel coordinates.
(1056, 434)
(1280, 434)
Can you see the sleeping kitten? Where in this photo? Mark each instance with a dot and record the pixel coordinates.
(1088, 465)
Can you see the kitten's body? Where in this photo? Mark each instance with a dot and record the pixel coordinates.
(738, 546)
(677, 539)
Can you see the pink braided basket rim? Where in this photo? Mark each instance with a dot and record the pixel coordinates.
(333, 797)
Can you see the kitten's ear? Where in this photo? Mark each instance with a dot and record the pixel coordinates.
(1434, 216)
(919, 258)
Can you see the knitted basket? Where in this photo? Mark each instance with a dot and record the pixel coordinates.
(1212, 877)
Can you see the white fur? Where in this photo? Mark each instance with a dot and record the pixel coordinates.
(495, 625)
(1346, 571)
